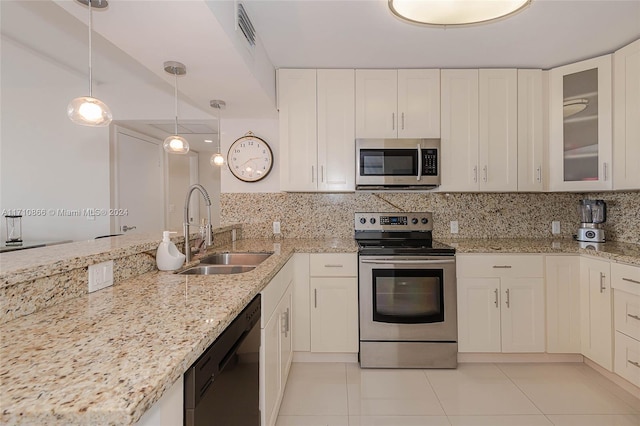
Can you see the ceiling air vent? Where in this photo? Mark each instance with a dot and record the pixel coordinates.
(245, 25)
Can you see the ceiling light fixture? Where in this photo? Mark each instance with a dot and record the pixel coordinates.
(87, 110)
(573, 106)
(217, 159)
(175, 144)
(454, 12)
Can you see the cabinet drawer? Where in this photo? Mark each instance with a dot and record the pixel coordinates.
(481, 266)
(627, 313)
(625, 277)
(333, 265)
(627, 362)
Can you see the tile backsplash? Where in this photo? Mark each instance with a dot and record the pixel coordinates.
(479, 215)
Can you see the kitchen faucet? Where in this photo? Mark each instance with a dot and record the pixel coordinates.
(205, 195)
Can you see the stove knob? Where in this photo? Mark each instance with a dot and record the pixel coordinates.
(363, 220)
(590, 234)
(372, 220)
(425, 220)
(414, 221)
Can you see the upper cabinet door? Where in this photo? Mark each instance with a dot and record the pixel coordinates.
(498, 130)
(376, 104)
(336, 130)
(530, 131)
(298, 129)
(419, 103)
(459, 130)
(580, 126)
(626, 117)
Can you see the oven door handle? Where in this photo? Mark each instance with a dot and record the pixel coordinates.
(407, 262)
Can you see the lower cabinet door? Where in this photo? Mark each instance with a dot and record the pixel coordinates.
(286, 340)
(563, 306)
(596, 312)
(522, 315)
(479, 315)
(334, 314)
(270, 370)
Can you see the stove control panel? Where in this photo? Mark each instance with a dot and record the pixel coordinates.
(394, 221)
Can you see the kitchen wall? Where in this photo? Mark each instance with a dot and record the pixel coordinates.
(479, 215)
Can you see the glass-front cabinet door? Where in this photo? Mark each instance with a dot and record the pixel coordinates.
(580, 126)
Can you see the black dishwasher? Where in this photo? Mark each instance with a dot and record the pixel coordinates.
(222, 386)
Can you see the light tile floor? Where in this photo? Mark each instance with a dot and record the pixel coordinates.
(339, 394)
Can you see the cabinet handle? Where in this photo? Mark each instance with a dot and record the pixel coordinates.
(486, 174)
(508, 300)
(637, 364)
(501, 266)
(393, 121)
(333, 266)
(313, 174)
(602, 287)
(539, 174)
(403, 121)
(635, 317)
(496, 301)
(631, 281)
(321, 173)
(604, 167)
(315, 297)
(475, 173)
(285, 323)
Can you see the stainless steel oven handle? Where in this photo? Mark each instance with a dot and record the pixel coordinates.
(407, 262)
(419, 162)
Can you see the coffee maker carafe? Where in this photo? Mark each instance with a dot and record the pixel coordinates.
(593, 213)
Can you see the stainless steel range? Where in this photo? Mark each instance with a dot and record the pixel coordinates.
(407, 292)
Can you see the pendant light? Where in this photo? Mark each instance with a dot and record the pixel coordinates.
(454, 12)
(175, 144)
(87, 110)
(217, 159)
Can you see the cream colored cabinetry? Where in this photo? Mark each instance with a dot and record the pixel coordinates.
(596, 311)
(316, 129)
(626, 110)
(334, 302)
(500, 303)
(580, 126)
(398, 103)
(625, 279)
(276, 350)
(530, 131)
(480, 130)
(563, 303)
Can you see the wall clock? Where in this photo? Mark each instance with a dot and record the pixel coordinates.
(250, 158)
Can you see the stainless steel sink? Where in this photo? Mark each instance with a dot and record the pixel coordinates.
(247, 259)
(217, 269)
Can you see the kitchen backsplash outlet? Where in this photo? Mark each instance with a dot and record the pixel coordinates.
(479, 215)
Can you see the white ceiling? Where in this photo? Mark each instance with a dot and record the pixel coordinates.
(136, 37)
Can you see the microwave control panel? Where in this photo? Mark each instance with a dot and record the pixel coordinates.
(430, 162)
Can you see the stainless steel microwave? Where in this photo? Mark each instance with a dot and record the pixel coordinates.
(397, 164)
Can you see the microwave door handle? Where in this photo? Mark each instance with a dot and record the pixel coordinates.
(419, 163)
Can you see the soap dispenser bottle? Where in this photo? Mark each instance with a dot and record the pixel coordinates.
(168, 258)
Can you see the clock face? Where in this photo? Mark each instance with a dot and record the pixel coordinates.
(250, 158)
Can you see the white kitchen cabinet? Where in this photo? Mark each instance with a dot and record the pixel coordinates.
(563, 303)
(596, 311)
(530, 131)
(626, 110)
(625, 279)
(398, 103)
(500, 303)
(459, 130)
(301, 311)
(334, 303)
(580, 139)
(276, 350)
(317, 126)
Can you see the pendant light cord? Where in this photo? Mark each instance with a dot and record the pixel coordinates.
(175, 74)
(90, 42)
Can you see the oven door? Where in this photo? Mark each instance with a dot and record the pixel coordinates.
(407, 298)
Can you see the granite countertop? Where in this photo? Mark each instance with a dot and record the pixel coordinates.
(611, 250)
(107, 357)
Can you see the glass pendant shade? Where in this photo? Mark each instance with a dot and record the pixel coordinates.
(89, 111)
(454, 12)
(175, 144)
(217, 160)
